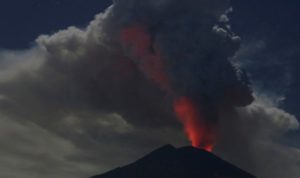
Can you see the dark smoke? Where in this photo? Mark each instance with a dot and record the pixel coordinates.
(186, 52)
(195, 41)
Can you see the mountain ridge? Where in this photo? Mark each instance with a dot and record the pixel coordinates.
(185, 162)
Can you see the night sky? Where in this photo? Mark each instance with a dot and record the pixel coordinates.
(23, 21)
(276, 23)
(270, 51)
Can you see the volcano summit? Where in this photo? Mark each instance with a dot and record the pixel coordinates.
(185, 162)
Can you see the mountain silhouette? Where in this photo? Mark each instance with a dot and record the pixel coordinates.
(185, 162)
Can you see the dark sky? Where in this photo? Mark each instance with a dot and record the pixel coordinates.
(275, 22)
(22, 21)
(270, 32)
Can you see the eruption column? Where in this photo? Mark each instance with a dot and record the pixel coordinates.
(138, 40)
(201, 134)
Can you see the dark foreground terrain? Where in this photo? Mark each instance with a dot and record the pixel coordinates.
(170, 162)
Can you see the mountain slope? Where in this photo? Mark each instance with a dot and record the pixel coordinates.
(186, 162)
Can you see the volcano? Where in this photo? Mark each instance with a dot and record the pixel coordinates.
(171, 162)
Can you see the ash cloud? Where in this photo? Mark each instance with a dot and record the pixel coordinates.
(83, 88)
(185, 50)
(195, 42)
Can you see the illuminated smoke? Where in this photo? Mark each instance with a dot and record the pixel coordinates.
(198, 130)
(186, 52)
(149, 62)
(200, 133)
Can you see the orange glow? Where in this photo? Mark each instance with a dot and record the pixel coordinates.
(149, 60)
(201, 134)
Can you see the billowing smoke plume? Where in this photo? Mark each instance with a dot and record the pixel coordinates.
(185, 51)
(145, 66)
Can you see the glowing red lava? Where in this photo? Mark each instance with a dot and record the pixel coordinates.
(201, 134)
